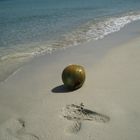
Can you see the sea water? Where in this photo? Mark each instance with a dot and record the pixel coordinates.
(34, 27)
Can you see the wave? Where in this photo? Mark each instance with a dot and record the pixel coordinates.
(109, 26)
(93, 30)
(26, 55)
(99, 29)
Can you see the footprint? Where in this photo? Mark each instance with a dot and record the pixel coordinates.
(74, 127)
(14, 129)
(77, 114)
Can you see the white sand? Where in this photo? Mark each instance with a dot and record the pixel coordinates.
(33, 102)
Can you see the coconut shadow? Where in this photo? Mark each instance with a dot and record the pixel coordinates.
(61, 89)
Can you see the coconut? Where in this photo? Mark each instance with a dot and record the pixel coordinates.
(73, 76)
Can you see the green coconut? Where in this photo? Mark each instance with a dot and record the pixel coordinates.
(73, 76)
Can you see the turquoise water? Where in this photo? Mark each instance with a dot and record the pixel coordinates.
(32, 27)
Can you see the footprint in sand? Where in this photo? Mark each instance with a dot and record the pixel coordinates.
(77, 114)
(74, 127)
(14, 129)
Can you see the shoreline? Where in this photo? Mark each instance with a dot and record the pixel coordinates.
(30, 104)
(11, 62)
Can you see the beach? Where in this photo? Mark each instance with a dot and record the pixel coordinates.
(34, 105)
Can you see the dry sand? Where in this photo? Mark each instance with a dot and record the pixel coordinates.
(35, 106)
